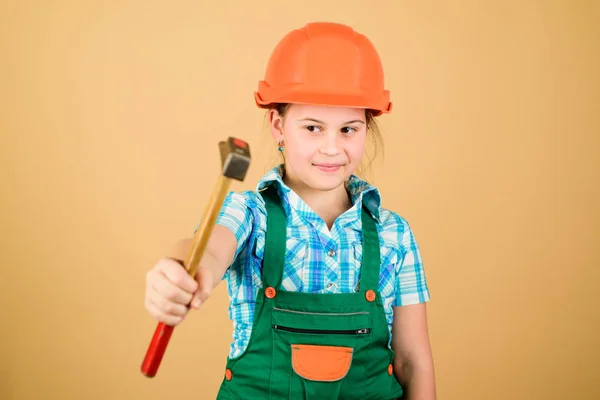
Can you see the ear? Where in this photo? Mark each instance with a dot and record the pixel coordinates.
(276, 125)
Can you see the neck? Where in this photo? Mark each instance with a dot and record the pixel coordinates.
(328, 204)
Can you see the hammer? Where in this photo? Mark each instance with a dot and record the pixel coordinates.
(235, 161)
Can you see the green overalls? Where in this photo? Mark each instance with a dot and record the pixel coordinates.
(314, 346)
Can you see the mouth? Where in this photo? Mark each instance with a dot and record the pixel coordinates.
(325, 167)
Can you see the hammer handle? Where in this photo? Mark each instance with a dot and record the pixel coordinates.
(157, 348)
(163, 332)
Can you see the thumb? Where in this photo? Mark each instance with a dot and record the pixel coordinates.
(205, 285)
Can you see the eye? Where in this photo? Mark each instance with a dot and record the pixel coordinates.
(348, 130)
(312, 128)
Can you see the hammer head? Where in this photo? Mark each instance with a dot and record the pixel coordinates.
(235, 158)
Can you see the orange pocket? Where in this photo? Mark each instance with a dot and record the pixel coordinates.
(321, 363)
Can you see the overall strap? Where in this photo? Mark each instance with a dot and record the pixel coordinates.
(275, 245)
(275, 239)
(371, 258)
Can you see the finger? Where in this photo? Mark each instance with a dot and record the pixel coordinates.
(166, 306)
(170, 291)
(178, 275)
(196, 302)
(205, 285)
(162, 317)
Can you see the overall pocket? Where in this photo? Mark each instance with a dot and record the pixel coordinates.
(319, 371)
(321, 363)
(314, 352)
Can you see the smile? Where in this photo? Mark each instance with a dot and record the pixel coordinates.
(328, 167)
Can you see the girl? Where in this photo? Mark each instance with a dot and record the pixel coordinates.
(327, 288)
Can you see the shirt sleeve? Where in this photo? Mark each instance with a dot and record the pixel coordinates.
(411, 285)
(235, 215)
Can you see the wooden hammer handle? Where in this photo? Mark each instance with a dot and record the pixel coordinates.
(163, 332)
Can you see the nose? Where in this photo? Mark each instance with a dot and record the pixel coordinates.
(330, 145)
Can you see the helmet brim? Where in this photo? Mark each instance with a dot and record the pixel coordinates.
(378, 103)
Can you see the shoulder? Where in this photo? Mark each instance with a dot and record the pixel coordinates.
(395, 230)
(392, 222)
(252, 199)
(244, 199)
(247, 207)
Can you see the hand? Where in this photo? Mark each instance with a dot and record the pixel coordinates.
(170, 291)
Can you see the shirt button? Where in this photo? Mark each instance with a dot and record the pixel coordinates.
(330, 285)
(331, 253)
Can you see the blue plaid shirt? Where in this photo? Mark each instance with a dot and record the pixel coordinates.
(318, 260)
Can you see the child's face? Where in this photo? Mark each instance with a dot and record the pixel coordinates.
(323, 145)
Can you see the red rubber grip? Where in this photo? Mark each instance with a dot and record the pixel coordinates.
(156, 350)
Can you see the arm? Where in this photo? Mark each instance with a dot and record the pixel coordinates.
(218, 256)
(413, 361)
(228, 237)
(170, 289)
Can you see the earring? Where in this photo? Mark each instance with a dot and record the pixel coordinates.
(280, 144)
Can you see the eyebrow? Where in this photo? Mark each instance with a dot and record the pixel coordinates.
(321, 122)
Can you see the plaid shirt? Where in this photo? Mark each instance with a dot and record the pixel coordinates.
(318, 260)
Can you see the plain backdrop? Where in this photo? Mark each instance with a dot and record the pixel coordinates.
(110, 115)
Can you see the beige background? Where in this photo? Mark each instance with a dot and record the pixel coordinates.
(110, 116)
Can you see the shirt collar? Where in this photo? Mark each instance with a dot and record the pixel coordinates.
(360, 191)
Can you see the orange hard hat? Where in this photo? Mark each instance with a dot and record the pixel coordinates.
(325, 63)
